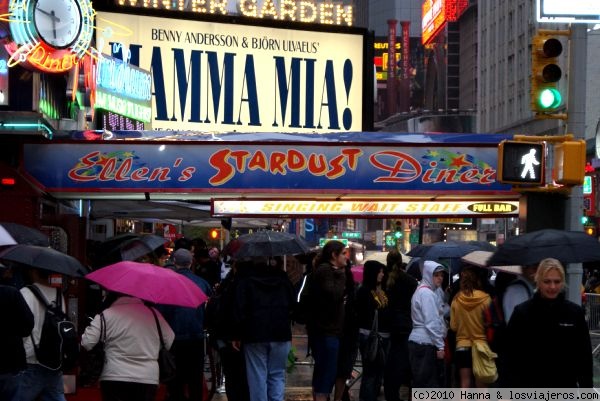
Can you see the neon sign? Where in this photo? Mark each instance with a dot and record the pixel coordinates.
(123, 89)
(115, 122)
(29, 48)
(435, 15)
(308, 11)
(123, 79)
(434, 19)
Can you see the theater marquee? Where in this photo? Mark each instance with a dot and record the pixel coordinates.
(223, 77)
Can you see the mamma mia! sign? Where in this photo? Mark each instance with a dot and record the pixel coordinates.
(220, 77)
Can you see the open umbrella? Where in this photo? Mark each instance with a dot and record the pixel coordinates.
(44, 258)
(150, 283)
(267, 244)
(137, 247)
(481, 258)
(129, 246)
(446, 249)
(14, 233)
(533, 247)
(357, 273)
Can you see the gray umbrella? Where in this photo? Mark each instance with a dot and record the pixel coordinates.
(22, 234)
(128, 246)
(44, 258)
(266, 244)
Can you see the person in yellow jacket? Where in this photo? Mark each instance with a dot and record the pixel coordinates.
(466, 320)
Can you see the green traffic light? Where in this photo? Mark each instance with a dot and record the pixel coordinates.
(549, 98)
(398, 234)
(584, 220)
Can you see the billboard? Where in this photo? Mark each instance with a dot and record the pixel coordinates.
(435, 14)
(575, 11)
(221, 77)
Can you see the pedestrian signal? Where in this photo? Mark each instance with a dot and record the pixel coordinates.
(521, 162)
(569, 162)
(546, 97)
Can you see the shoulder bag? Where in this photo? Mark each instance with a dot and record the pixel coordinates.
(374, 347)
(484, 364)
(166, 360)
(94, 359)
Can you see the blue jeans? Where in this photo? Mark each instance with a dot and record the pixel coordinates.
(37, 381)
(9, 387)
(325, 351)
(265, 369)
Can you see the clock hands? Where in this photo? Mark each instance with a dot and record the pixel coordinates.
(50, 14)
(53, 17)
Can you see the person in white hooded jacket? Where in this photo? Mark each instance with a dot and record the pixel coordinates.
(426, 340)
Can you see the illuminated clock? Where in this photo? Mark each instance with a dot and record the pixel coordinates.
(49, 35)
(58, 22)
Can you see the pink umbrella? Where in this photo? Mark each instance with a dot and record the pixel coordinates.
(357, 273)
(150, 283)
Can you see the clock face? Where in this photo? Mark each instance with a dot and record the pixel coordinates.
(58, 22)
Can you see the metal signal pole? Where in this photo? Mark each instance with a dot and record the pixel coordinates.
(576, 126)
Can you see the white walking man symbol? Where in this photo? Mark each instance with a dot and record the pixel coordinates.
(528, 161)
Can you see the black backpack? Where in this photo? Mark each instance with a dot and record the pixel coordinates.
(59, 344)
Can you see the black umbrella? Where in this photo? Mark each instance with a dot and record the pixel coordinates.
(267, 244)
(21, 234)
(448, 249)
(419, 250)
(44, 258)
(533, 247)
(128, 246)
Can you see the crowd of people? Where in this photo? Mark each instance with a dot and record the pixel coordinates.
(429, 329)
(425, 330)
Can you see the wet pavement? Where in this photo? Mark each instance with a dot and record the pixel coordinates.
(298, 381)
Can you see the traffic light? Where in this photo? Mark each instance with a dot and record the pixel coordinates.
(214, 233)
(590, 230)
(569, 162)
(546, 73)
(521, 162)
(398, 234)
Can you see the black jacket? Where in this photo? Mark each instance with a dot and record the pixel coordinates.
(548, 345)
(399, 297)
(17, 323)
(219, 318)
(264, 302)
(327, 294)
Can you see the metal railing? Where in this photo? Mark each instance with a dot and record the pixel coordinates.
(592, 311)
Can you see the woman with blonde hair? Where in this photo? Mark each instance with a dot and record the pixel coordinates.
(466, 320)
(548, 337)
